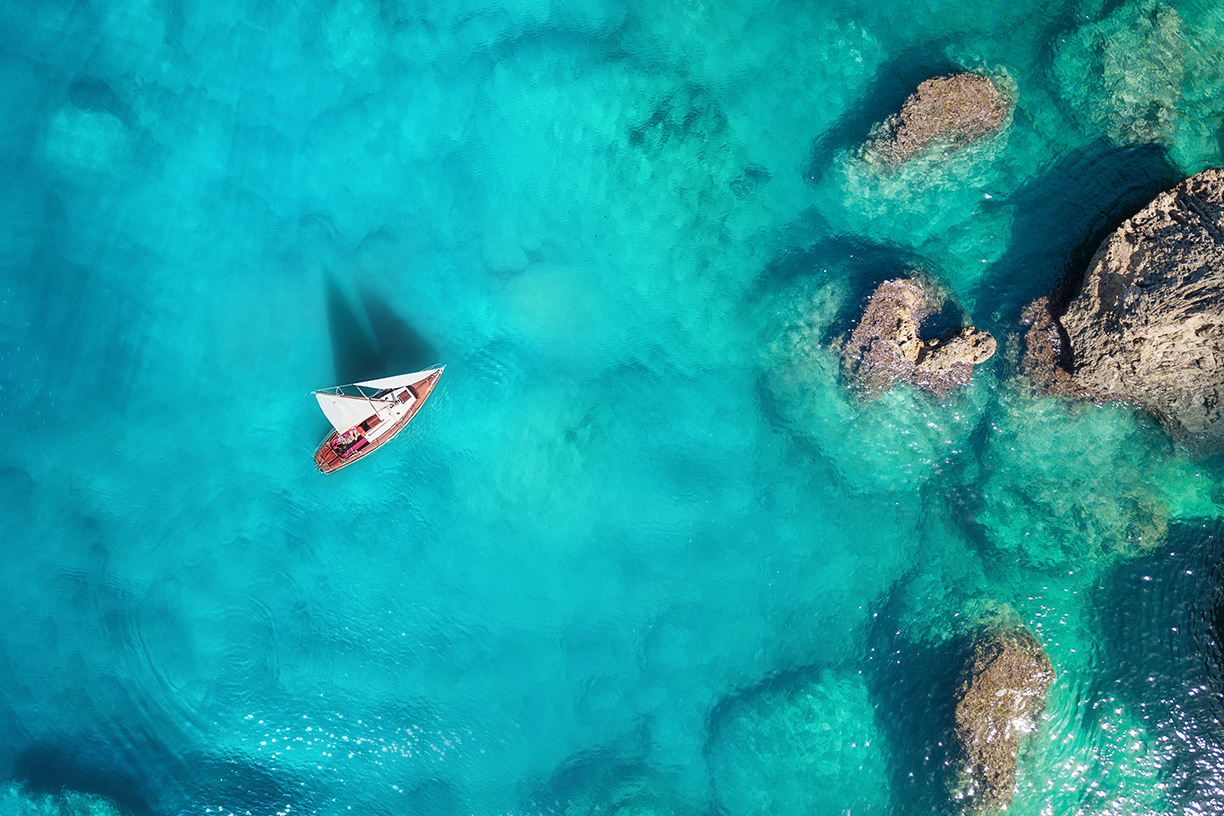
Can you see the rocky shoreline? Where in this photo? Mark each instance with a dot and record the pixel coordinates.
(1147, 324)
(1144, 327)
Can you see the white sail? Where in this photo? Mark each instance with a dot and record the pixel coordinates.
(344, 412)
(397, 381)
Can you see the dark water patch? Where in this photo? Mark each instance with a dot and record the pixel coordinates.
(913, 687)
(93, 94)
(145, 776)
(747, 182)
(1159, 617)
(16, 490)
(858, 263)
(1108, 8)
(238, 785)
(944, 322)
(176, 24)
(780, 682)
(1059, 220)
(863, 261)
(686, 114)
(98, 769)
(434, 797)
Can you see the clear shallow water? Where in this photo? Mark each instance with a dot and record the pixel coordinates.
(641, 553)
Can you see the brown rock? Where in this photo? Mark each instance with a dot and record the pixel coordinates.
(953, 360)
(1000, 698)
(1147, 325)
(887, 344)
(1046, 354)
(958, 108)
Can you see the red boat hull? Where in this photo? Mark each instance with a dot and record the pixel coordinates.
(328, 460)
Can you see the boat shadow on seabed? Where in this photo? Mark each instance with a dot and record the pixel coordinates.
(388, 346)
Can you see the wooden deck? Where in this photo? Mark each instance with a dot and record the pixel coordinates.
(327, 460)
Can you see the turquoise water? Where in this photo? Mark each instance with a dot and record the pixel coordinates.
(641, 553)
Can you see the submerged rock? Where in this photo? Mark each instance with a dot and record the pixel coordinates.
(1147, 325)
(17, 801)
(1001, 694)
(1124, 72)
(804, 744)
(887, 345)
(1068, 486)
(959, 108)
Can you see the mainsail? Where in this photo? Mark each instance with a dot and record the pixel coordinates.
(366, 414)
(343, 411)
(397, 381)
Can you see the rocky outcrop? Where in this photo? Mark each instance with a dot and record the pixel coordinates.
(958, 108)
(1000, 697)
(888, 346)
(1046, 354)
(1147, 325)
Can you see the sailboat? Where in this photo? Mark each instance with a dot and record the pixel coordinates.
(367, 414)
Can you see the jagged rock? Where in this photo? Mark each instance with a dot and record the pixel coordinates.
(1147, 325)
(1000, 697)
(956, 356)
(887, 345)
(1046, 354)
(959, 108)
(896, 440)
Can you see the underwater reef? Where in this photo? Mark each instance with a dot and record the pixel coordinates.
(16, 800)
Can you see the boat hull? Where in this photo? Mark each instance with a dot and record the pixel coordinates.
(328, 460)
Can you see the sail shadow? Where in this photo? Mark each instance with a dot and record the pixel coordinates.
(401, 348)
(388, 346)
(354, 353)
